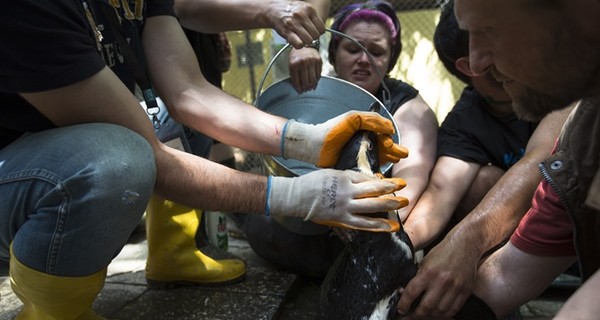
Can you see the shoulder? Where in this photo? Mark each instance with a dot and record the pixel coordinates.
(49, 43)
(400, 92)
(399, 86)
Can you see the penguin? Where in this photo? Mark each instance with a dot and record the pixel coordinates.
(364, 280)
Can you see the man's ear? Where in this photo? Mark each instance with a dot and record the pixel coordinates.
(462, 64)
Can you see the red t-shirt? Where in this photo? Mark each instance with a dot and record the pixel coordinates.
(546, 229)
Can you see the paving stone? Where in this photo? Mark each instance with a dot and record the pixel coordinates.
(266, 293)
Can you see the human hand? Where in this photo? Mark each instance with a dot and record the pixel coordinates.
(444, 281)
(305, 68)
(321, 144)
(296, 21)
(337, 198)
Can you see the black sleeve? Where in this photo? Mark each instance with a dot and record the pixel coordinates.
(473, 134)
(400, 91)
(457, 143)
(160, 8)
(51, 46)
(460, 133)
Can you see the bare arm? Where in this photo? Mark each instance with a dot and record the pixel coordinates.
(322, 7)
(196, 103)
(511, 277)
(103, 98)
(583, 304)
(450, 179)
(446, 275)
(500, 211)
(296, 21)
(418, 127)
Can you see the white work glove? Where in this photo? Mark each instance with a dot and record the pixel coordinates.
(336, 198)
(320, 144)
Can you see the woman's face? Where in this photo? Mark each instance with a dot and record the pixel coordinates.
(352, 63)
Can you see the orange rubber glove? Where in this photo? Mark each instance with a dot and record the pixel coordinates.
(337, 198)
(320, 144)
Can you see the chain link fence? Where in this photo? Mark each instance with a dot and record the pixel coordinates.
(418, 65)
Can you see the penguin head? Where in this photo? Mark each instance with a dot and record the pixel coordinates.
(360, 153)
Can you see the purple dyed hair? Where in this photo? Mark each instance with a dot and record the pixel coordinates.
(370, 15)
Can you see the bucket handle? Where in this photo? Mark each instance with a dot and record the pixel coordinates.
(386, 90)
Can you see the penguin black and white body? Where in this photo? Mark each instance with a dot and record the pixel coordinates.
(363, 282)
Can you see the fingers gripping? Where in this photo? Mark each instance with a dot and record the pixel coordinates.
(300, 24)
(345, 128)
(375, 204)
(365, 224)
(389, 151)
(366, 187)
(371, 205)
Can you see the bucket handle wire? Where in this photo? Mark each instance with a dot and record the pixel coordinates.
(386, 91)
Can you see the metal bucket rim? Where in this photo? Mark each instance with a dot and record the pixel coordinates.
(385, 167)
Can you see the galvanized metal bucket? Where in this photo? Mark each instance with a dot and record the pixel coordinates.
(330, 98)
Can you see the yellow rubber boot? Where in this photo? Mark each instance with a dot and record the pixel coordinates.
(48, 297)
(173, 257)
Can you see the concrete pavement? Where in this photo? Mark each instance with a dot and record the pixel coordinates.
(266, 293)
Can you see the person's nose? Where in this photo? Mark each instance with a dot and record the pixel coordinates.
(363, 58)
(480, 57)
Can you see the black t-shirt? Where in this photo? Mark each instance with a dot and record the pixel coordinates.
(51, 44)
(206, 47)
(400, 92)
(471, 133)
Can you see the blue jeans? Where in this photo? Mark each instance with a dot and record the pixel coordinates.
(70, 197)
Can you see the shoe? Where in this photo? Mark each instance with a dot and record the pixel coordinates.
(173, 257)
(48, 297)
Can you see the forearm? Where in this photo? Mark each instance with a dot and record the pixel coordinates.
(322, 7)
(193, 101)
(418, 133)
(416, 168)
(246, 127)
(430, 216)
(199, 183)
(511, 277)
(450, 179)
(212, 16)
(416, 178)
(583, 304)
(500, 211)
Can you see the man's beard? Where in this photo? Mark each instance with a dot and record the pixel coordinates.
(559, 91)
(533, 105)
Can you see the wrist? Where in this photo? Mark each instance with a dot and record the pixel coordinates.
(281, 199)
(296, 142)
(416, 235)
(265, 13)
(268, 200)
(472, 244)
(315, 44)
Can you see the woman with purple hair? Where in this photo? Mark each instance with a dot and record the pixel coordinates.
(375, 26)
